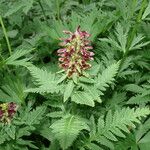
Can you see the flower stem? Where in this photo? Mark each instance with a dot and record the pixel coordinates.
(5, 34)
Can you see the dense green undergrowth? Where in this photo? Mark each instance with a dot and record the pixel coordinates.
(49, 103)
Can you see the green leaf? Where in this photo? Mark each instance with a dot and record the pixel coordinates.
(75, 78)
(45, 80)
(83, 98)
(111, 41)
(133, 88)
(116, 124)
(27, 5)
(13, 90)
(67, 129)
(34, 117)
(107, 76)
(93, 146)
(24, 131)
(55, 114)
(62, 78)
(68, 90)
(14, 58)
(145, 139)
(94, 92)
(11, 131)
(22, 142)
(121, 35)
(16, 6)
(137, 43)
(86, 80)
(146, 12)
(12, 34)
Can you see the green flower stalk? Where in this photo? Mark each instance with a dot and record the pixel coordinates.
(75, 54)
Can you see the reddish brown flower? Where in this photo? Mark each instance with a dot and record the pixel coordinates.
(7, 111)
(75, 54)
(12, 107)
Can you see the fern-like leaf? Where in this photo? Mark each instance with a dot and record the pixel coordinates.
(115, 125)
(33, 117)
(107, 76)
(14, 59)
(82, 97)
(45, 80)
(67, 129)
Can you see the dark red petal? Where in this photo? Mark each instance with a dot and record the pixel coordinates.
(61, 50)
(1, 113)
(92, 54)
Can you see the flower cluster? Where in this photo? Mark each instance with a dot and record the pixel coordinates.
(75, 54)
(7, 111)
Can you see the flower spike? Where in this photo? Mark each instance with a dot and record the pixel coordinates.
(75, 54)
(7, 111)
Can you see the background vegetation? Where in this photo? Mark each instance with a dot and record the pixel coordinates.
(95, 113)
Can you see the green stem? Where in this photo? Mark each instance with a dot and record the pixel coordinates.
(133, 32)
(43, 11)
(58, 10)
(5, 34)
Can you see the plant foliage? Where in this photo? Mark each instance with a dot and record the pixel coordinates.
(89, 92)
